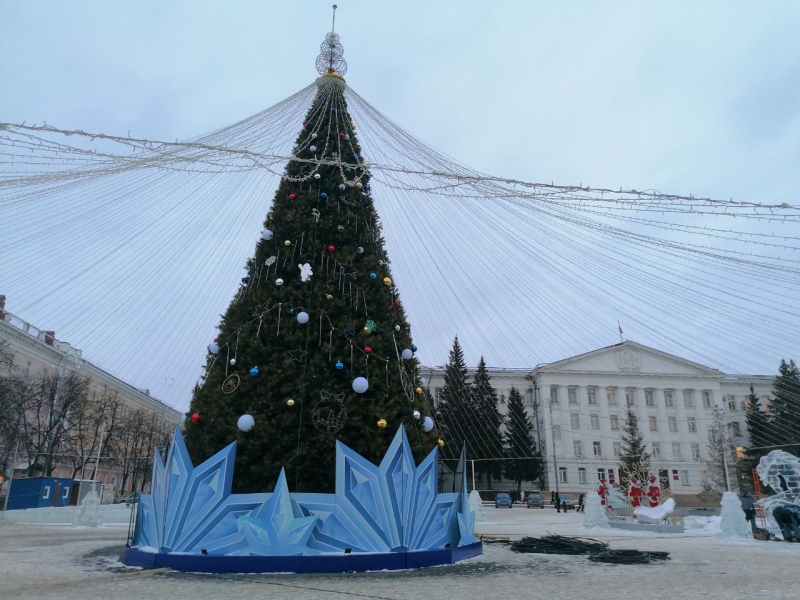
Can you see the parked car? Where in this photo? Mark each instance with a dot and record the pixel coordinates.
(566, 501)
(131, 498)
(619, 507)
(503, 499)
(535, 500)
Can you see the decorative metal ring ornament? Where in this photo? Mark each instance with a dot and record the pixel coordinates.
(329, 414)
(230, 384)
(330, 59)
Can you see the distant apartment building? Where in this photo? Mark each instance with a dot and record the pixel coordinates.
(577, 408)
(37, 353)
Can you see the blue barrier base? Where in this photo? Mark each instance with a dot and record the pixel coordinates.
(323, 563)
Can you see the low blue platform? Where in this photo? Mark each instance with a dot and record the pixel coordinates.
(338, 563)
(381, 517)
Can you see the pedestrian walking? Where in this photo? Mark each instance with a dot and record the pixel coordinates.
(748, 506)
(581, 501)
(558, 504)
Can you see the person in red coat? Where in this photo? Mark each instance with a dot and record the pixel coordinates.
(635, 493)
(653, 491)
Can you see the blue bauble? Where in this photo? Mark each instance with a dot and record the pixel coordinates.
(355, 156)
(373, 275)
(254, 372)
(339, 365)
(323, 195)
(333, 109)
(414, 348)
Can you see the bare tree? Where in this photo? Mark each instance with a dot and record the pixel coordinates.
(12, 407)
(721, 454)
(94, 425)
(51, 403)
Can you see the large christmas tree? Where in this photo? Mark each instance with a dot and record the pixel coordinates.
(317, 312)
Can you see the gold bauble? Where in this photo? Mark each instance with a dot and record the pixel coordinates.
(367, 330)
(441, 443)
(287, 243)
(418, 390)
(387, 281)
(290, 402)
(382, 423)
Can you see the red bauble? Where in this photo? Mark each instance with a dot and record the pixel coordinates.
(216, 340)
(331, 248)
(195, 417)
(305, 122)
(397, 303)
(292, 196)
(367, 350)
(372, 213)
(341, 135)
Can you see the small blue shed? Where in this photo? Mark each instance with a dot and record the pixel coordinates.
(39, 492)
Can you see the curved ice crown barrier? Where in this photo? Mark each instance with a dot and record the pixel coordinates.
(394, 507)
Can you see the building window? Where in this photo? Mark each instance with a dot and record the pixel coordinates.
(581, 475)
(744, 405)
(691, 422)
(28, 373)
(676, 451)
(437, 394)
(653, 423)
(592, 393)
(601, 474)
(684, 477)
(614, 421)
(731, 402)
(649, 398)
(695, 451)
(556, 432)
(706, 399)
(529, 397)
(629, 397)
(740, 455)
(673, 424)
(656, 450)
(595, 420)
(611, 396)
(554, 394)
(597, 449)
(617, 448)
(572, 395)
(669, 399)
(575, 420)
(65, 493)
(502, 398)
(46, 493)
(688, 398)
(577, 449)
(562, 475)
(737, 428)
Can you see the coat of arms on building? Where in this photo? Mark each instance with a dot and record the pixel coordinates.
(628, 359)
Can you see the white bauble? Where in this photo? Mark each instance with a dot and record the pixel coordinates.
(302, 318)
(213, 347)
(417, 415)
(313, 136)
(279, 281)
(342, 186)
(233, 361)
(266, 235)
(427, 424)
(423, 381)
(397, 327)
(360, 385)
(407, 354)
(316, 175)
(312, 148)
(246, 422)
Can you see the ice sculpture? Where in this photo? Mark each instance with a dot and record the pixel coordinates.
(595, 515)
(780, 471)
(90, 509)
(475, 505)
(733, 522)
(657, 514)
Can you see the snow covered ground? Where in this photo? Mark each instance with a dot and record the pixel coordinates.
(38, 561)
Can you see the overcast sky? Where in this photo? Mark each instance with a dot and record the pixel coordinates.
(686, 97)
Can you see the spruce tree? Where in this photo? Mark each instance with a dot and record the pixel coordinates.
(634, 461)
(786, 407)
(453, 406)
(757, 430)
(488, 420)
(524, 459)
(311, 335)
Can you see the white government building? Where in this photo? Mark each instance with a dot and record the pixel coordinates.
(579, 429)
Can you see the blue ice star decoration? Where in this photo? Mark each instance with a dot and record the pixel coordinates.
(392, 507)
(275, 530)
